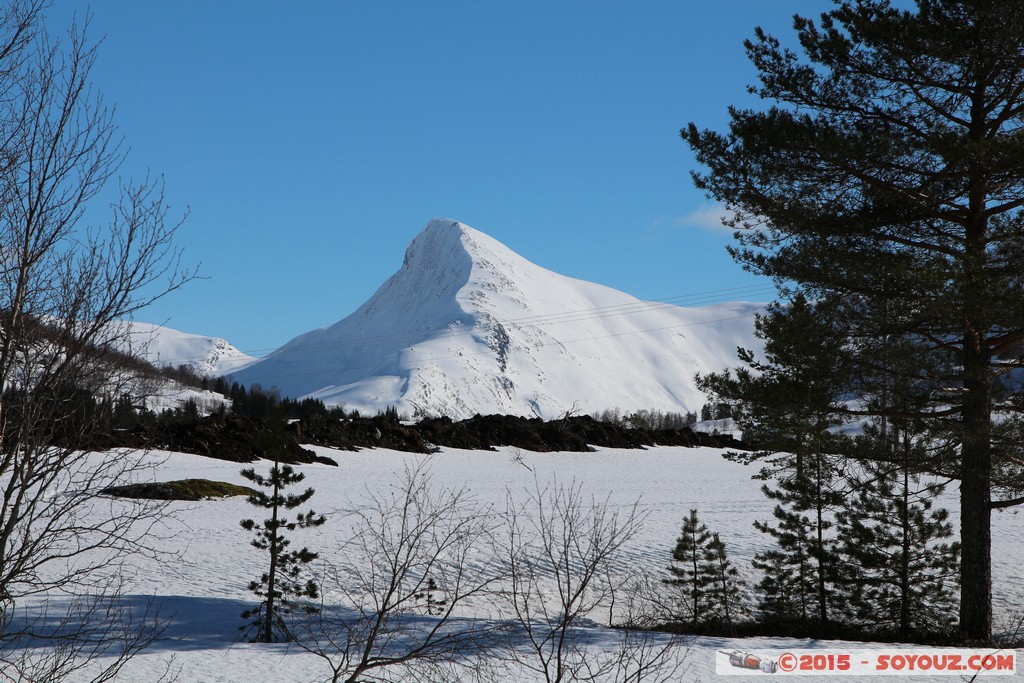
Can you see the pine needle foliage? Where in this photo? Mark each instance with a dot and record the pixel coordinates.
(709, 583)
(903, 574)
(786, 400)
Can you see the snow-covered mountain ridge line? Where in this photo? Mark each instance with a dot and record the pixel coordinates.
(165, 347)
(468, 326)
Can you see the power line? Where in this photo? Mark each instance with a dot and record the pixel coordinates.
(431, 359)
(537, 321)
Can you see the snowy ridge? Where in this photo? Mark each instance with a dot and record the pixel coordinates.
(468, 326)
(165, 347)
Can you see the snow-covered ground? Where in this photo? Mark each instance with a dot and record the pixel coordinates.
(206, 589)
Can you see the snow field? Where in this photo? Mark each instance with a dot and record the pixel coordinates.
(206, 589)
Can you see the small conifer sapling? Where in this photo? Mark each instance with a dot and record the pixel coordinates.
(708, 581)
(281, 584)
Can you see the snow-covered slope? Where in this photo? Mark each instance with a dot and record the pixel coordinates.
(163, 346)
(468, 326)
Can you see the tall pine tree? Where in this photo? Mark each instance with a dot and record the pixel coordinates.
(902, 573)
(786, 401)
(726, 586)
(800, 572)
(886, 172)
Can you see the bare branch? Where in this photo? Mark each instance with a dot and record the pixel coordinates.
(64, 290)
(393, 601)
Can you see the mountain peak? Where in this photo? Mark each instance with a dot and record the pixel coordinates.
(445, 231)
(468, 326)
(165, 347)
(444, 239)
(445, 225)
(439, 242)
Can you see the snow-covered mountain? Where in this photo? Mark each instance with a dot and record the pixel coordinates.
(468, 326)
(163, 346)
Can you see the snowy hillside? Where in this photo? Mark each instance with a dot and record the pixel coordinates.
(165, 347)
(468, 326)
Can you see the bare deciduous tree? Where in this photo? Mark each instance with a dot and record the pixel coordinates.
(644, 653)
(392, 598)
(419, 593)
(562, 550)
(65, 287)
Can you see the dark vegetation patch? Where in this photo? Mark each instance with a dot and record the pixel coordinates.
(233, 437)
(182, 489)
(355, 432)
(311, 422)
(243, 439)
(222, 435)
(486, 432)
(262, 425)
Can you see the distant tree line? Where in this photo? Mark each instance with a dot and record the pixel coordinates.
(253, 401)
(659, 420)
(656, 420)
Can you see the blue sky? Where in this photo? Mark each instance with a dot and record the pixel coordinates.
(311, 141)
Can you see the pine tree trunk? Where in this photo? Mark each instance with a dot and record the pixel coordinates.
(975, 504)
(268, 623)
(819, 504)
(976, 455)
(905, 596)
(696, 590)
(726, 598)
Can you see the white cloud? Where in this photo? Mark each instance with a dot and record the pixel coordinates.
(707, 217)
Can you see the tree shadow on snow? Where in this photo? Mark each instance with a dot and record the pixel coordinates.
(178, 622)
